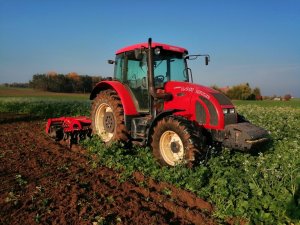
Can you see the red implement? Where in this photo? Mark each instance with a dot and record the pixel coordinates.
(70, 129)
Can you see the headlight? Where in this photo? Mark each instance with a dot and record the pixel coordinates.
(228, 111)
(231, 110)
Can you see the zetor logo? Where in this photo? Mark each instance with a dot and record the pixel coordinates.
(185, 89)
(193, 90)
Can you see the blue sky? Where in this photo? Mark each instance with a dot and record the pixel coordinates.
(249, 41)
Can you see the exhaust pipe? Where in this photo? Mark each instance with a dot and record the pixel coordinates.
(151, 69)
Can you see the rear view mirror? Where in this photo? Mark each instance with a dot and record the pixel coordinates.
(206, 60)
(193, 57)
(110, 61)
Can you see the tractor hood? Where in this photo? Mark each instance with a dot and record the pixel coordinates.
(200, 103)
(215, 112)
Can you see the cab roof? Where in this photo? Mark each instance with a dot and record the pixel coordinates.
(154, 45)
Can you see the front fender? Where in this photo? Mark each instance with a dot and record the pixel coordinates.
(123, 93)
(159, 117)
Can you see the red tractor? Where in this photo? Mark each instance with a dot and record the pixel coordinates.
(151, 100)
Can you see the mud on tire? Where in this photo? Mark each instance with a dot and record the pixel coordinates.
(176, 140)
(108, 117)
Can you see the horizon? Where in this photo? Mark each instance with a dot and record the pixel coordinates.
(251, 42)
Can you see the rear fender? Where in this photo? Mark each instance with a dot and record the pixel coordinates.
(123, 93)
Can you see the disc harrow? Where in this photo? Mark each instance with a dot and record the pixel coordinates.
(69, 129)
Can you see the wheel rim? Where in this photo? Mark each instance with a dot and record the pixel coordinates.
(104, 122)
(171, 147)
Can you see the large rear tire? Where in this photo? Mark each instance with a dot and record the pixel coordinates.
(108, 117)
(175, 141)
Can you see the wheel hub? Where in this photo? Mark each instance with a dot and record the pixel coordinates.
(175, 147)
(171, 147)
(109, 122)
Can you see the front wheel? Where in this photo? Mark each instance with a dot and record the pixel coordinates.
(176, 141)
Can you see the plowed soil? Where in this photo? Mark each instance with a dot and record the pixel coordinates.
(44, 182)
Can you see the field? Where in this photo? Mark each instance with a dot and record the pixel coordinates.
(43, 182)
(42, 104)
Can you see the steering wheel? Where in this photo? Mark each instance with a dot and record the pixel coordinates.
(159, 78)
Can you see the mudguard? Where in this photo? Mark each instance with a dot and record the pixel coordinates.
(159, 117)
(125, 96)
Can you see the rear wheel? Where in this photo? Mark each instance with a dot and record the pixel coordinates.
(108, 117)
(176, 141)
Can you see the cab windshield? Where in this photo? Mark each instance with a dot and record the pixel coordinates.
(171, 66)
(168, 66)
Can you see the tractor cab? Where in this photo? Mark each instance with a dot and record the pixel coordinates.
(143, 69)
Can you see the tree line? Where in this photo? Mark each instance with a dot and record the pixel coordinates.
(74, 83)
(240, 92)
(16, 85)
(70, 83)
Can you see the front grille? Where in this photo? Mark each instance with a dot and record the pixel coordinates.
(230, 118)
(212, 112)
(200, 113)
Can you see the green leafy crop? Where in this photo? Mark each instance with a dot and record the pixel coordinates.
(261, 188)
(45, 107)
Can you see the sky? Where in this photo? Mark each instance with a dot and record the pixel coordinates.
(248, 41)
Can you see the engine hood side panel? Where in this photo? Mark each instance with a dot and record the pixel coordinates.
(193, 99)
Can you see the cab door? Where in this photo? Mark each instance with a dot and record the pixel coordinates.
(133, 73)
